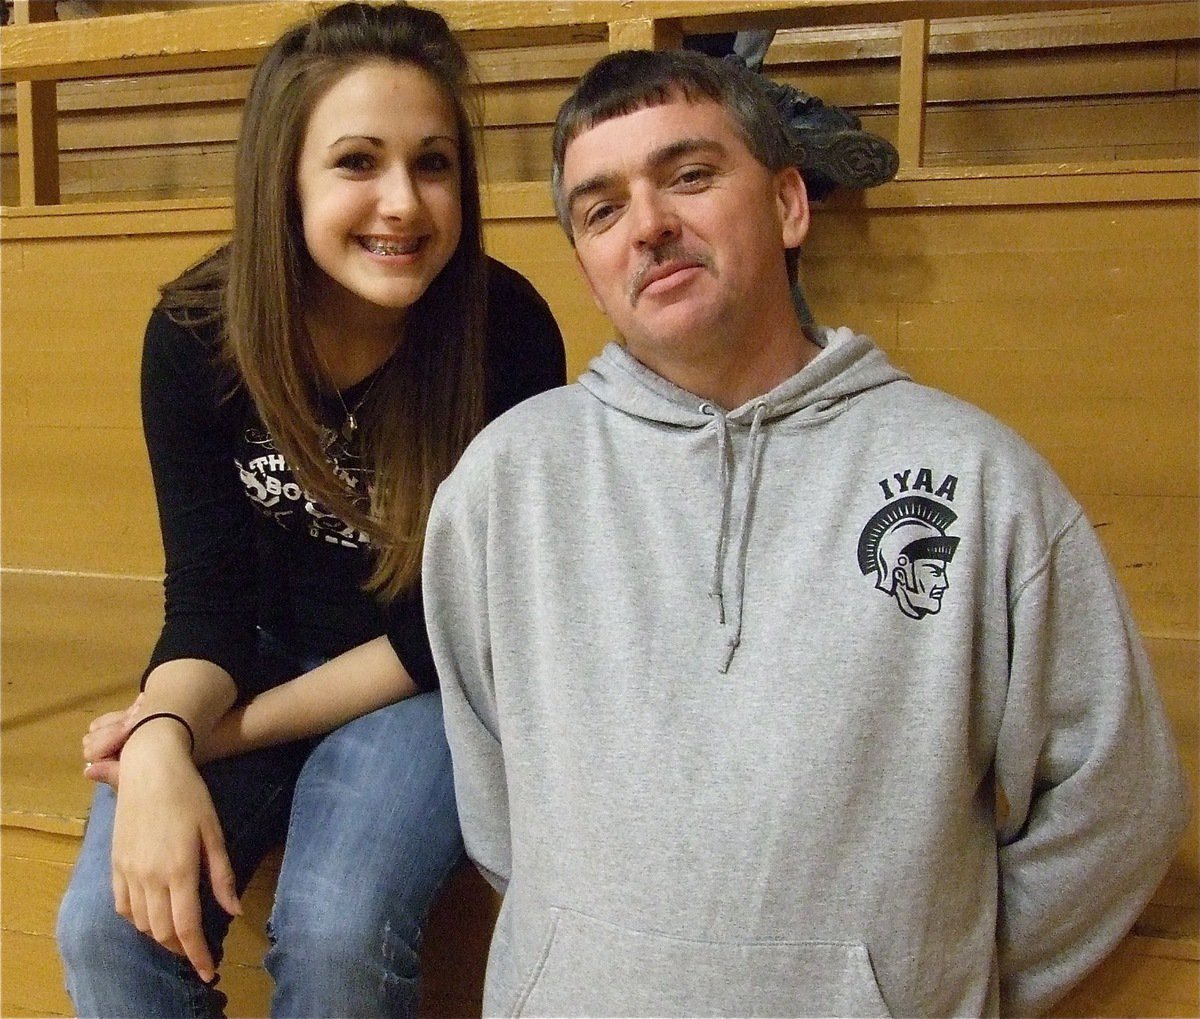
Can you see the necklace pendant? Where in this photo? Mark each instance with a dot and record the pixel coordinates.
(349, 427)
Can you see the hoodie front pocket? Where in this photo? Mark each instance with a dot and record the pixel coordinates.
(593, 968)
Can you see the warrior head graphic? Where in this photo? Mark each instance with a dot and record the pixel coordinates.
(906, 546)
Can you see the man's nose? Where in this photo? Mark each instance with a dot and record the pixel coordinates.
(654, 219)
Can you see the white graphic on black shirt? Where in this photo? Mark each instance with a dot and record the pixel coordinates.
(274, 490)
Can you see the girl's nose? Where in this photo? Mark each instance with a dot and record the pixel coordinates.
(398, 197)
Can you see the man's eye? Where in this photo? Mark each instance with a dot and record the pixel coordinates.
(693, 176)
(597, 214)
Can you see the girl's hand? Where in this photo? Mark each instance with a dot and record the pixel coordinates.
(103, 741)
(166, 836)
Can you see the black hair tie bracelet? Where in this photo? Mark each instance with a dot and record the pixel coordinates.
(166, 714)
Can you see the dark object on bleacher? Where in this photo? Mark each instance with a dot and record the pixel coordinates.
(832, 149)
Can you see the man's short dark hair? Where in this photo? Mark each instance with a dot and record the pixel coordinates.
(630, 80)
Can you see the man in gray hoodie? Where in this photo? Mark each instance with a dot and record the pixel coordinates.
(776, 684)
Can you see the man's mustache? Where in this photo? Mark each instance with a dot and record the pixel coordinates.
(669, 253)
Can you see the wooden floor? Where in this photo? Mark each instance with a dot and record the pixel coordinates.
(73, 647)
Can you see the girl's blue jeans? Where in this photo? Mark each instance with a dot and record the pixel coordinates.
(370, 833)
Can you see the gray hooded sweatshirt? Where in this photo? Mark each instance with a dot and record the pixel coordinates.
(828, 705)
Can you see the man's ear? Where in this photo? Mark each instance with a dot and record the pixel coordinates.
(588, 279)
(791, 198)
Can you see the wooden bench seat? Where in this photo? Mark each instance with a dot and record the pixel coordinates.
(74, 646)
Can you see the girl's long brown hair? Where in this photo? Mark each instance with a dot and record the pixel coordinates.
(429, 400)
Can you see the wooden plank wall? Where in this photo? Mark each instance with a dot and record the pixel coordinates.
(1061, 97)
(1065, 304)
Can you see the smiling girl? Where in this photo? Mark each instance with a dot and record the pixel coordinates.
(304, 391)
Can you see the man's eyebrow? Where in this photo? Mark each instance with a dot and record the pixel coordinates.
(588, 187)
(659, 157)
(684, 147)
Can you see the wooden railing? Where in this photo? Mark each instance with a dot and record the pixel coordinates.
(37, 55)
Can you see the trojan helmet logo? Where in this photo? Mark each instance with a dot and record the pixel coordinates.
(906, 546)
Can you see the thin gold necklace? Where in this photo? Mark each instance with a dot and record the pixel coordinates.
(349, 421)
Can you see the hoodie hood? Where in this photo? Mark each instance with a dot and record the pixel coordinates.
(847, 365)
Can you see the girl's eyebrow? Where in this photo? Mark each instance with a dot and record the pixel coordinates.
(356, 138)
(378, 142)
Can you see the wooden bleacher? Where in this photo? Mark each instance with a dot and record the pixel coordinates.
(1037, 255)
(92, 633)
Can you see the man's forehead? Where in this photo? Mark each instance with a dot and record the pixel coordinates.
(679, 124)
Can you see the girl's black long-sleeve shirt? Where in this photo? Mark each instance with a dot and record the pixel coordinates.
(245, 548)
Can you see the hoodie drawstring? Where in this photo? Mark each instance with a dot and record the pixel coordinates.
(742, 540)
(715, 586)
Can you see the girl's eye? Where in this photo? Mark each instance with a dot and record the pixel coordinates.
(355, 162)
(435, 162)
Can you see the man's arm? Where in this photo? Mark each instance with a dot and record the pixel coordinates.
(1088, 765)
(456, 612)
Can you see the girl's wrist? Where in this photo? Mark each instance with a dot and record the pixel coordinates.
(163, 726)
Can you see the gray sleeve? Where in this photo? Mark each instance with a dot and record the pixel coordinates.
(1088, 765)
(456, 610)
